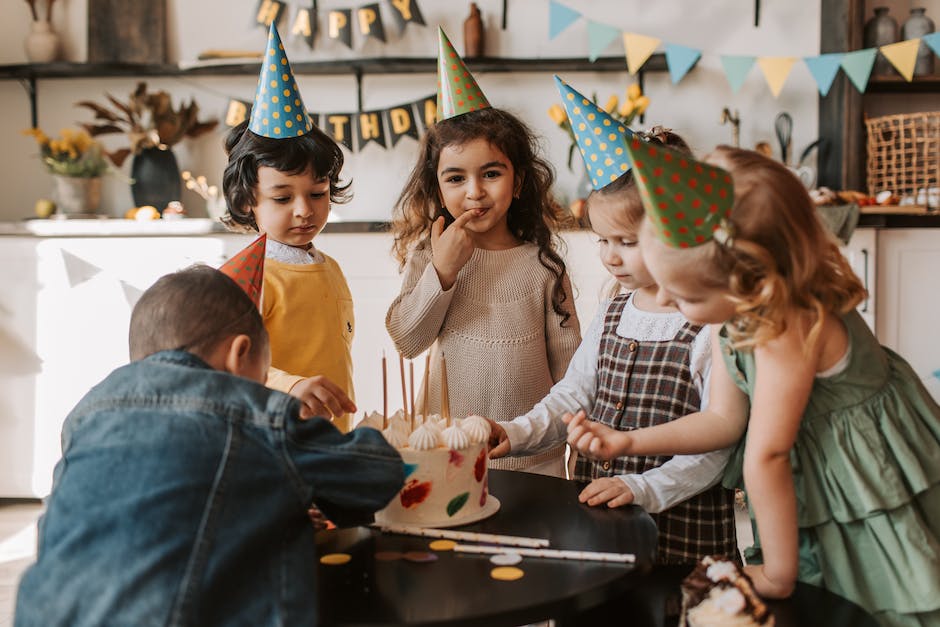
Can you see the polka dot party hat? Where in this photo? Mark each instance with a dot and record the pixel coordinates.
(601, 139)
(687, 201)
(457, 90)
(247, 268)
(278, 111)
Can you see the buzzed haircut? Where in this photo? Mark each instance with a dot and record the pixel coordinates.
(193, 310)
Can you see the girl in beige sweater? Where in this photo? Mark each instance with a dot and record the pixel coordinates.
(483, 282)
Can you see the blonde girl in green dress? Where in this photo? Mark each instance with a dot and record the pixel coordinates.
(838, 439)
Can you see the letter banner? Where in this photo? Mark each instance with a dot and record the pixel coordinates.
(371, 128)
(401, 122)
(304, 24)
(269, 11)
(427, 111)
(406, 11)
(339, 127)
(370, 22)
(339, 26)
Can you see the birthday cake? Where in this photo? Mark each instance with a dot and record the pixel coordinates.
(445, 471)
(718, 594)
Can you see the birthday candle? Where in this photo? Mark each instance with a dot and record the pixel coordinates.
(384, 393)
(404, 393)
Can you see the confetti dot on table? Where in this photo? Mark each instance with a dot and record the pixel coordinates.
(442, 545)
(506, 559)
(335, 559)
(389, 556)
(420, 556)
(506, 573)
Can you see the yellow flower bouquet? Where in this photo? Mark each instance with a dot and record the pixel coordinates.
(634, 104)
(73, 153)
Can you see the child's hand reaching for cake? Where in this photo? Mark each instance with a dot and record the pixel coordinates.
(609, 490)
(321, 397)
(595, 440)
(499, 442)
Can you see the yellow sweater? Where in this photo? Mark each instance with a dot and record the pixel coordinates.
(308, 312)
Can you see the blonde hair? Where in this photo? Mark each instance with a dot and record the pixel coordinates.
(780, 258)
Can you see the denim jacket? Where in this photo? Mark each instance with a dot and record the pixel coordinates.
(181, 499)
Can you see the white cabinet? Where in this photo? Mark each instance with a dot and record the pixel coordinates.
(861, 253)
(909, 299)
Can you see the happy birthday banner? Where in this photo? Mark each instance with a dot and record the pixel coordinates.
(366, 18)
(357, 130)
(680, 59)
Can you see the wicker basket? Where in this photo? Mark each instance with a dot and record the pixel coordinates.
(904, 156)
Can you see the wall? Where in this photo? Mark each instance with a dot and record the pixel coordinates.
(693, 107)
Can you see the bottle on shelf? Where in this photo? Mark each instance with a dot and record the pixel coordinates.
(918, 25)
(880, 30)
(473, 33)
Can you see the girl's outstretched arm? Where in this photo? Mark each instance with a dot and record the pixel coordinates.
(785, 375)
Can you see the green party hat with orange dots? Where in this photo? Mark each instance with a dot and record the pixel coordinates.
(278, 111)
(247, 268)
(601, 138)
(457, 90)
(688, 202)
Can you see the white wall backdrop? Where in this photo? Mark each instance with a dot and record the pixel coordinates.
(692, 107)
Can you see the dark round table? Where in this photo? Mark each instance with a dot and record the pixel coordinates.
(457, 589)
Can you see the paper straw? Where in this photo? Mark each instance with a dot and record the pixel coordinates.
(591, 556)
(445, 396)
(404, 392)
(469, 536)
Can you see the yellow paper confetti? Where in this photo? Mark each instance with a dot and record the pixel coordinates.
(442, 545)
(506, 573)
(335, 559)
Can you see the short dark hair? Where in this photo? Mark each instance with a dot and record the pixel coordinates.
(193, 310)
(248, 151)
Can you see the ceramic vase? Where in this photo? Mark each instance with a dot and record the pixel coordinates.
(880, 30)
(75, 195)
(473, 33)
(156, 178)
(42, 43)
(918, 25)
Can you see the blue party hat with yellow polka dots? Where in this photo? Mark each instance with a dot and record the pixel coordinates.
(278, 111)
(601, 138)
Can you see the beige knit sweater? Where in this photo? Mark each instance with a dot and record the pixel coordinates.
(504, 345)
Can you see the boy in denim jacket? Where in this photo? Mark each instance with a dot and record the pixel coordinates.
(181, 497)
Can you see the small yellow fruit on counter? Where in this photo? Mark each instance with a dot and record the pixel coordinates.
(44, 208)
(130, 214)
(147, 212)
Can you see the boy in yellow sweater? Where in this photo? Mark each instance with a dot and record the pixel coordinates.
(281, 177)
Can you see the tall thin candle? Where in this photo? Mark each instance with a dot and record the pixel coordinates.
(384, 392)
(445, 395)
(427, 386)
(404, 392)
(411, 392)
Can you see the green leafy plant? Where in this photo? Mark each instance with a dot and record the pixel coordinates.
(149, 119)
(73, 153)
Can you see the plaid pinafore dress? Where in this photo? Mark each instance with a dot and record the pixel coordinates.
(646, 383)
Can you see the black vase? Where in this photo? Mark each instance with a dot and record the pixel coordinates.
(879, 31)
(918, 25)
(156, 178)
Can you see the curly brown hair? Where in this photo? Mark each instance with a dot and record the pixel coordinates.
(534, 216)
(781, 257)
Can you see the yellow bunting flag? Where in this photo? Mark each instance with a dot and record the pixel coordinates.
(776, 70)
(639, 48)
(903, 56)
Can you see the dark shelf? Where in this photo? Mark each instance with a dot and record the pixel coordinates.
(377, 65)
(897, 85)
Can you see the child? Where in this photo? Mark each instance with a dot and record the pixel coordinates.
(182, 492)
(483, 283)
(640, 364)
(840, 459)
(281, 177)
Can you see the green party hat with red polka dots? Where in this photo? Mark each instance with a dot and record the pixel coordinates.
(247, 268)
(687, 201)
(278, 111)
(601, 138)
(457, 90)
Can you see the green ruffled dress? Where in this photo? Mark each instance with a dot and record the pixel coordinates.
(866, 469)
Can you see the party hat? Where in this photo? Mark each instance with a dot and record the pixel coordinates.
(457, 90)
(247, 268)
(688, 202)
(278, 111)
(601, 138)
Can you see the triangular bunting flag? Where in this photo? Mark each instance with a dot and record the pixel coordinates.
(824, 69)
(776, 70)
(601, 138)
(599, 37)
(639, 48)
(736, 69)
(278, 111)
(77, 269)
(903, 56)
(457, 90)
(857, 66)
(247, 268)
(680, 60)
(932, 40)
(560, 17)
(686, 201)
(131, 293)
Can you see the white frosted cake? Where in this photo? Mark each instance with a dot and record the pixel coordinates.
(445, 471)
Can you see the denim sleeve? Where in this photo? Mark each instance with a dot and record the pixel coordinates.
(349, 476)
